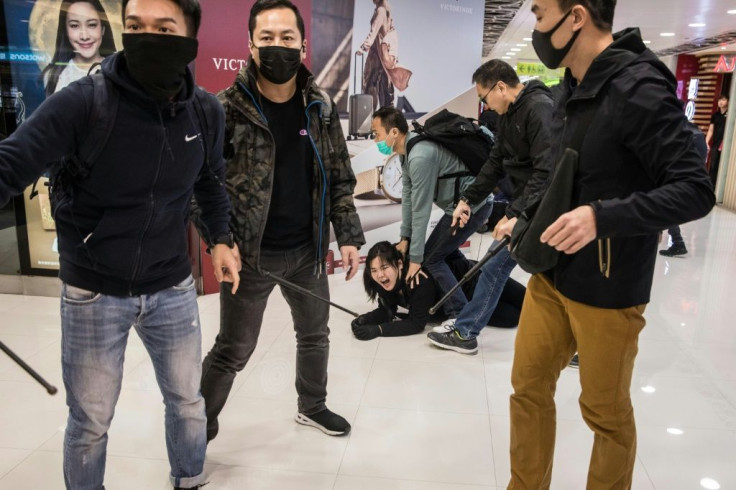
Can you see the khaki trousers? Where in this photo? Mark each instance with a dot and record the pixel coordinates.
(551, 329)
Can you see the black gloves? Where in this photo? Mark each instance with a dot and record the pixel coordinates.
(363, 331)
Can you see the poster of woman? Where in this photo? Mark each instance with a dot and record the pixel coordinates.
(382, 69)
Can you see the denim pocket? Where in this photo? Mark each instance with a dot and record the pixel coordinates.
(185, 285)
(78, 296)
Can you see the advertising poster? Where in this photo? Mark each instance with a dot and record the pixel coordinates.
(416, 54)
(48, 49)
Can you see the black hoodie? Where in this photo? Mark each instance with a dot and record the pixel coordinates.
(639, 161)
(522, 151)
(124, 232)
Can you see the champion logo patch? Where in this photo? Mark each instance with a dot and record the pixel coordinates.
(303, 132)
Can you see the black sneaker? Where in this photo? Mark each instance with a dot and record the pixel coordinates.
(574, 362)
(677, 249)
(327, 421)
(195, 487)
(452, 341)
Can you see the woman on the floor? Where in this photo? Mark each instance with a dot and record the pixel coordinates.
(383, 280)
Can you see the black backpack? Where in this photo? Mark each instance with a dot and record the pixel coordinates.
(101, 121)
(459, 135)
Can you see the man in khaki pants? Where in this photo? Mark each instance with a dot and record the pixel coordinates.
(637, 166)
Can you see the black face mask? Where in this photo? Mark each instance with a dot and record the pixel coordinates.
(159, 61)
(278, 64)
(547, 53)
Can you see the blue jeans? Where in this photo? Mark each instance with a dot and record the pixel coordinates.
(95, 331)
(436, 256)
(493, 277)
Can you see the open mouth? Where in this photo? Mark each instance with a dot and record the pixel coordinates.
(385, 283)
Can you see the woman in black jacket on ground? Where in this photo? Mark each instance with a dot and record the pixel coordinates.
(383, 278)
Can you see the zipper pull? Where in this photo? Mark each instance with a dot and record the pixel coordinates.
(173, 111)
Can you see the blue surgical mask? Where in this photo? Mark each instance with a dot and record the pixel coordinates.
(384, 148)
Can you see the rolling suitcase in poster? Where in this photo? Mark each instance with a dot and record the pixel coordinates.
(360, 108)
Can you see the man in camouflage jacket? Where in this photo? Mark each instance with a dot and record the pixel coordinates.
(288, 176)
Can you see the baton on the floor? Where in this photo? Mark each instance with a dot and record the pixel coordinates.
(472, 272)
(49, 388)
(309, 293)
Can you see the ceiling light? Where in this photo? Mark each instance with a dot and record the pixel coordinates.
(648, 389)
(667, 34)
(516, 50)
(674, 431)
(710, 484)
(510, 54)
(505, 57)
(696, 24)
(527, 39)
(647, 41)
(522, 45)
(732, 12)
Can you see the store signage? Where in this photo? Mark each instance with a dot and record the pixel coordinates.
(692, 94)
(726, 64)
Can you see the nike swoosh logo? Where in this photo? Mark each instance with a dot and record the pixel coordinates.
(190, 138)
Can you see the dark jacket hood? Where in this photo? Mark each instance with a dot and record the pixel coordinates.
(626, 50)
(115, 68)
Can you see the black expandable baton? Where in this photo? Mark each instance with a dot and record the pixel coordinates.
(49, 388)
(473, 271)
(309, 293)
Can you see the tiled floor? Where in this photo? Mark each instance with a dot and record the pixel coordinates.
(423, 419)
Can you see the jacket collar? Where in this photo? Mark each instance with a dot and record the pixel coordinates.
(304, 82)
(626, 49)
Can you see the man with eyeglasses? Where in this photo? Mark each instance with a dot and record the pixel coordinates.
(521, 152)
(288, 175)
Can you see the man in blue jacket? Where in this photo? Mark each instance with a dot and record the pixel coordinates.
(636, 166)
(122, 232)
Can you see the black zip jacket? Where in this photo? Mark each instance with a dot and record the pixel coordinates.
(522, 151)
(638, 161)
(124, 230)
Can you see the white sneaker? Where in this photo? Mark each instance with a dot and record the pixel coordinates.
(446, 326)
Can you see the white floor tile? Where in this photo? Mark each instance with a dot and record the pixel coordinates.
(262, 433)
(420, 445)
(10, 458)
(679, 462)
(238, 478)
(363, 483)
(454, 387)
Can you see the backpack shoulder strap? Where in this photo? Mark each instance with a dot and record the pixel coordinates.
(102, 117)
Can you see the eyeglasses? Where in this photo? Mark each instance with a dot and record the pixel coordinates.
(482, 100)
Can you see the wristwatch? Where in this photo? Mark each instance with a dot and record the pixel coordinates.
(384, 181)
(224, 239)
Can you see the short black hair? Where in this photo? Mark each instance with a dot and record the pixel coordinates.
(601, 11)
(723, 96)
(391, 118)
(494, 71)
(388, 255)
(262, 5)
(192, 13)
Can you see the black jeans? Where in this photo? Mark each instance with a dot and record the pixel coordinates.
(241, 316)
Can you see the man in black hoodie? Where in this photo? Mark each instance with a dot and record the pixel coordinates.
(522, 151)
(122, 232)
(637, 164)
